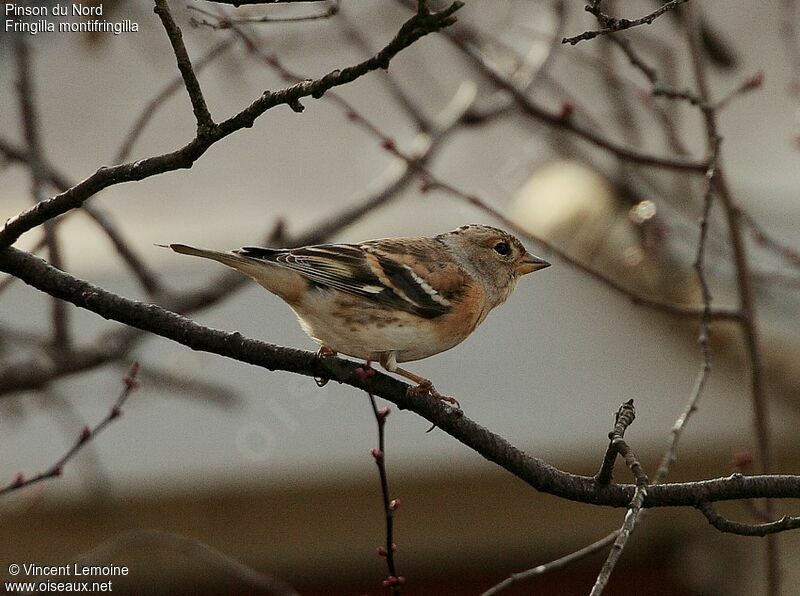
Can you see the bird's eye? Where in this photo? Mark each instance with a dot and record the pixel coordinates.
(502, 248)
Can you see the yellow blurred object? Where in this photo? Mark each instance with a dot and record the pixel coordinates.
(574, 207)
(578, 210)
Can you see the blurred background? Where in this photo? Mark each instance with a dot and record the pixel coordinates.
(218, 470)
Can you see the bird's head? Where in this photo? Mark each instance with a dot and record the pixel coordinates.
(497, 258)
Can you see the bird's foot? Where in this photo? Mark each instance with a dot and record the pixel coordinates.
(322, 353)
(427, 388)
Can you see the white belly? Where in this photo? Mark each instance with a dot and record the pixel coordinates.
(365, 336)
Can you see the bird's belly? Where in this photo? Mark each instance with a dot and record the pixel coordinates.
(408, 336)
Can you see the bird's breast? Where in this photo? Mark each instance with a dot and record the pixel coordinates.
(365, 331)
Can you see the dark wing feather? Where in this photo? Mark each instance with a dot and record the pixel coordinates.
(347, 267)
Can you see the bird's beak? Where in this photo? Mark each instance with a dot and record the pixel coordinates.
(531, 263)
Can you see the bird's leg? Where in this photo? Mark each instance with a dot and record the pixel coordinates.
(322, 353)
(389, 362)
(326, 352)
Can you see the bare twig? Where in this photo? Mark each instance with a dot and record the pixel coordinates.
(559, 563)
(558, 120)
(329, 11)
(394, 581)
(30, 126)
(748, 323)
(403, 99)
(725, 525)
(413, 29)
(620, 541)
(146, 277)
(705, 321)
(201, 113)
(625, 416)
(612, 25)
(87, 434)
(158, 100)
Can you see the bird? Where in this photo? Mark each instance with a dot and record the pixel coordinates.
(390, 300)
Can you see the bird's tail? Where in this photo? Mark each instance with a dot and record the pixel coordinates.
(226, 258)
(255, 268)
(281, 281)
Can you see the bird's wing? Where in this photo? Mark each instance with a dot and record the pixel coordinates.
(381, 271)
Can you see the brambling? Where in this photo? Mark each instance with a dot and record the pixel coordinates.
(390, 300)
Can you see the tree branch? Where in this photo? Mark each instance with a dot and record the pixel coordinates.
(534, 471)
(87, 434)
(725, 525)
(30, 127)
(611, 25)
(199, 107)
(412, 30)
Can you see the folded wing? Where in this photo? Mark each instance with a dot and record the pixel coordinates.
(362, 270)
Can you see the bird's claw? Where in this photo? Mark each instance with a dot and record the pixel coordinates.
(427, 388)
(323, 353)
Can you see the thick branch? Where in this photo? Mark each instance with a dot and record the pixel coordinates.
(534, 471)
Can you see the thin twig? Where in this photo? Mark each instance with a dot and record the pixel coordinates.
(559, 563)
(394, 581)
(625, 416)
(199, 107)
(146, 277)
(558, 120)
(725, 525)
(620, 541)
(331, 10)
(748, 323)
(30, 127)
(152, 106)
(412, 30)
(705, 321)
(400, 95)
(87, 434)
(612, 25)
